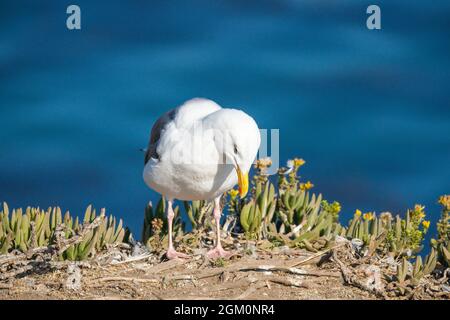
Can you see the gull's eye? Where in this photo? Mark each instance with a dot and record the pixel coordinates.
(235, 149)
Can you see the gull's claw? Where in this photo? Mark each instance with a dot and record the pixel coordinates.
(172, 254)
(218, 252)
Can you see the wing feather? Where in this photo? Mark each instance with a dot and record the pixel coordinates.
(185, 114)
(156, 133)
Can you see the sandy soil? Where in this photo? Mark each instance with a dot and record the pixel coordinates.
(293, 275)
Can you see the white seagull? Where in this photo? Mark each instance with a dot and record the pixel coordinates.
(198, 151)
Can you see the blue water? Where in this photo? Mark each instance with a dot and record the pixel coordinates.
(368, 110)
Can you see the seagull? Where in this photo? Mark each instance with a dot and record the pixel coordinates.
(199, 151)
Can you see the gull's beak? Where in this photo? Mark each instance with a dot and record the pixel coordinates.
(242, 181)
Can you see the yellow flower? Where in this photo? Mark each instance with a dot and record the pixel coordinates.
(298, 162)
(337, 206)
(358, 213)
(445, 201)
(419, 208)
(368, 216)
(306, 186)
(426, 224)
(233, 193)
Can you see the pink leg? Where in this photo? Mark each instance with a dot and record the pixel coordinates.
(171, 253)
(218, 251)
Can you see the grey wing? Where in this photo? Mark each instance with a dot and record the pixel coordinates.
(155, 135)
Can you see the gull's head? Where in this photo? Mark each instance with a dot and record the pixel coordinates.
(238, 138)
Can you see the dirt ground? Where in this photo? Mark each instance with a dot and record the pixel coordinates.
(290, 275)
(252, 272)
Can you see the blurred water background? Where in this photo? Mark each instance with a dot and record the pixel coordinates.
(368, 110)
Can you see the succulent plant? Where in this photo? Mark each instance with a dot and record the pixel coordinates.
(259, 212)
(305, 220)
(156, 225)
(410, 274)
(290, 214)
(402, 271)
(420, 269)
(109, 232)
(36, 228)
(315, 225)
(442, 243)
(15, 231)
(405, 236)
(251, 219)
(396, 236)
(370, 229)
(198, 212)
(295, 205)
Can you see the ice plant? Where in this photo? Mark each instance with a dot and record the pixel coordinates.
(405, 236)
(155, 226)
(36, 228)
(333, 208)
(442, 243)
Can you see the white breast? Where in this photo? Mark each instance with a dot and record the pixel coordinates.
(176, 179)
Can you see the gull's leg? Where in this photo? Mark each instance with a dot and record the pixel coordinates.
(218, 251)
(171, 253)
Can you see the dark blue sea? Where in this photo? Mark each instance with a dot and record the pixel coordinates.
(369, 110)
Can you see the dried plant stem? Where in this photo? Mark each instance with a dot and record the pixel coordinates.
(314, 256)
(62, 244)
(350, 278)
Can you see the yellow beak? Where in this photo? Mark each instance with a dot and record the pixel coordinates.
(242, 181)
